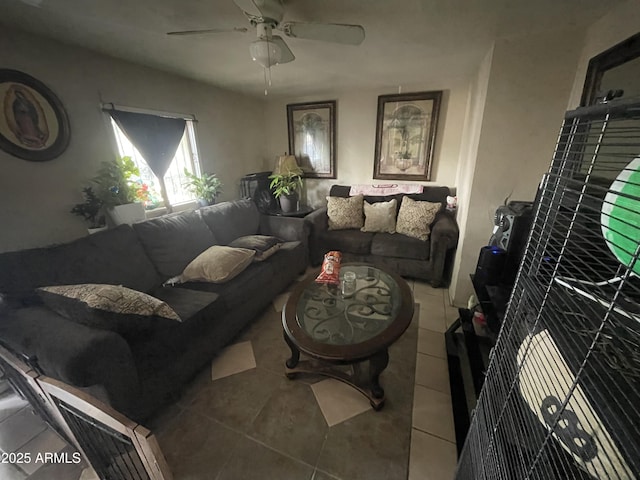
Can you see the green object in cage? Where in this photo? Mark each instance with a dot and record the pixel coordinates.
(620, 218)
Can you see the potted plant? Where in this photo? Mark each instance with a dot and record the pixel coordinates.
(116, 186)
(91, 210)
(285, 187)
(205, 187)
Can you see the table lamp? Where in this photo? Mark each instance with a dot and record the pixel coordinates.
(287, 165)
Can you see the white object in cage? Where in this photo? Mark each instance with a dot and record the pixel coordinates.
(545, 382)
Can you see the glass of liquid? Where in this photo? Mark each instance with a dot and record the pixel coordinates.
(348, 284)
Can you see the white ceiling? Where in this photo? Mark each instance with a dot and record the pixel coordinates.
(407, 41)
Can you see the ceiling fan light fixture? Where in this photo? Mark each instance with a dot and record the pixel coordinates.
(265, 52)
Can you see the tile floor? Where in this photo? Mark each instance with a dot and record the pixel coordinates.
(256, 423)
(433, 450)
(22, 432)
(202, 428)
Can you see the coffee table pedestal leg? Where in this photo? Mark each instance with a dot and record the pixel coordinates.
(292, 362)
(368, 386)
(377, 364)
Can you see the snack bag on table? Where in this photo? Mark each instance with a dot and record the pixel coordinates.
(330, 271)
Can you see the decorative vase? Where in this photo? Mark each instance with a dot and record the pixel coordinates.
(205, 203)
(128, 213)
(289, 203)
(403, 163)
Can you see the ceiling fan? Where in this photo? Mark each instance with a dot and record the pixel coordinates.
(269, 49)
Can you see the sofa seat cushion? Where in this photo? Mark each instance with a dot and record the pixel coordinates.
(172, 241)
(399, 246)
(230, 220)
(190, 304)
(201, 311)
(236, 292)
(109, 307)
(353, 241)
(290, 255)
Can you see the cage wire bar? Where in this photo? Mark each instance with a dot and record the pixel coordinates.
(561, 397)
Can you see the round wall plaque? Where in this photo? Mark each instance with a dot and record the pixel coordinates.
(33, 123)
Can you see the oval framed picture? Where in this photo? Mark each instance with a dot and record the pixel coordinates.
(33, 123)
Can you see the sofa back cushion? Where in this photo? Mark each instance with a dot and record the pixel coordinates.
(172, 241)
(114, 256)
(429, 194)
(231, 220)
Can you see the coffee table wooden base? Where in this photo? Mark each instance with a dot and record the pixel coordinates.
(370, 389)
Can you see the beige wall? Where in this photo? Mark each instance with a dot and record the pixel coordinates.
(356, 130)
(618, 25)
(35, 197)
(468, 156)
(529, 82)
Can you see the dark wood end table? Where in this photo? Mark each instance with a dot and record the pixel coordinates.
(321, 323)
(301, 212)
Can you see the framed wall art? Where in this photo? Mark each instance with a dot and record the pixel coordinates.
(312, 137)
(33, 123)
(405, 135)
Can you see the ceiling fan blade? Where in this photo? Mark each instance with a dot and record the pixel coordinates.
(209, 30)
(287, 54)
(326, 32)
(261, 10)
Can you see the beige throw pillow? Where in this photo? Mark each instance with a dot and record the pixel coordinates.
(380, 217)
(345, 213)
(217, 264)
(415, 218)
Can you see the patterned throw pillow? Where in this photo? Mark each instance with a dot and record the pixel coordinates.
(415, 218)
(264, 245)
(109, 307)
(345, 213)
(380, 217)
(217, 264)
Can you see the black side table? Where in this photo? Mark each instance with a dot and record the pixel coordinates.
(301, 212)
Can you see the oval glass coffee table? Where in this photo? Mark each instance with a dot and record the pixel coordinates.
(333, 329)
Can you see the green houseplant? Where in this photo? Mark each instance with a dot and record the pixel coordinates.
(115, 187)
(115, 182)
(285, 187)
(91, 209)
(205, 187)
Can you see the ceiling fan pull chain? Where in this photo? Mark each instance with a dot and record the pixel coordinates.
(264, 70)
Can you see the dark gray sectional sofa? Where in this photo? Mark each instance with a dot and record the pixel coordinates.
(426, 260)
(137, 376)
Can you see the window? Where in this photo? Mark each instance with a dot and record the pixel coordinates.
(186, 158)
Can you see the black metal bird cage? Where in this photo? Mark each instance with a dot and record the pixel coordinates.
(561, 397)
